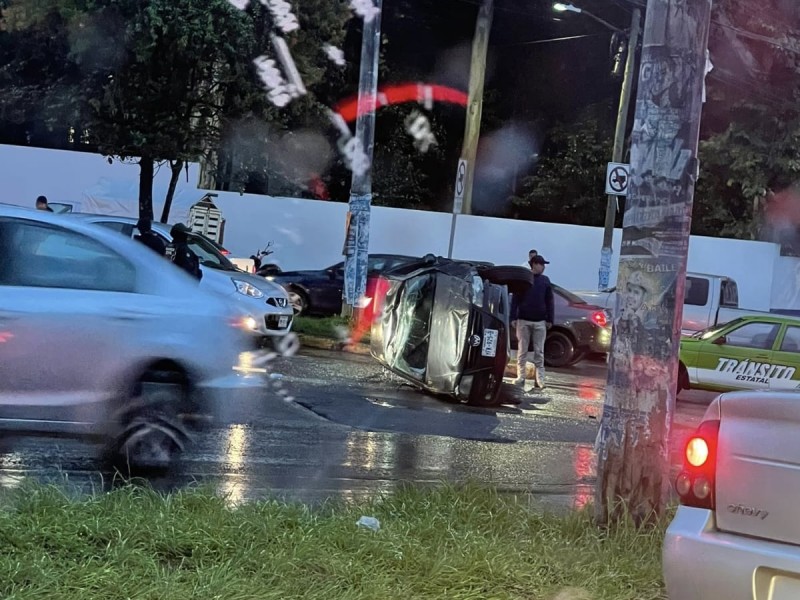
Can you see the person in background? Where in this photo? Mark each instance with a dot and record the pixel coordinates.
(532, 315)
(531, 254)
(41, 204)
(180, 253)
(150, 239)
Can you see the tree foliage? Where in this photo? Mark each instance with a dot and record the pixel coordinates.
(567, 185)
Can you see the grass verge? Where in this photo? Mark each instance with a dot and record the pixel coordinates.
(448, 542)
(324, 327)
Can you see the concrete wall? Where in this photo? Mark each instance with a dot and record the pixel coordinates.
(309, 234)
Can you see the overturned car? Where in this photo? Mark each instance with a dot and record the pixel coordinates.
(443, 325)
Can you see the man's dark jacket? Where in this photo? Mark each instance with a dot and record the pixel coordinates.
(536, 304)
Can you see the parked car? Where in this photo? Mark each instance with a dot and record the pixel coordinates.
(93, 346)
(443, 325)
(749, 353)
(579, 329)
(708, 300)
(267, 304)
(320, 292)
(736, 534)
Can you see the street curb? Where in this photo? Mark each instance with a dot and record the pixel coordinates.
(322, 343)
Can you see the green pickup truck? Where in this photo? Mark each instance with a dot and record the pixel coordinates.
(748, 353)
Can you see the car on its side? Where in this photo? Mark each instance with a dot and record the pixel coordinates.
(736, 534)
(93, 346)
(320, 292)
(748, 353)
(266, 304)
(443, 325)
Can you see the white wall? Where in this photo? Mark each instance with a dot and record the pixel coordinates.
(309, 234)
(786, 283)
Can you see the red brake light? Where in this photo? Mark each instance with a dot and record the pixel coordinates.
(696, 481)
(599, 318)
(225, 252)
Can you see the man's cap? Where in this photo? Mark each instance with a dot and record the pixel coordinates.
(539, 260)
(42, 199)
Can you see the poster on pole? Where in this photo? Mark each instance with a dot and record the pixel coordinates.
(461, 182)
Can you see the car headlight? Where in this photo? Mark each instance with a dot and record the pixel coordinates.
(270, 277)
(247, 289)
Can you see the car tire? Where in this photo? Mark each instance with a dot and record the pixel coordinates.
(576, 358)
(683, 379)
(151, 430)
(299, 302)
(559, 349)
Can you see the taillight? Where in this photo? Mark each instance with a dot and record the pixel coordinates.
(599, 318)
(695, 483)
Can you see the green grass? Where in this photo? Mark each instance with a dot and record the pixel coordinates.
(448, 542)
(324, 327)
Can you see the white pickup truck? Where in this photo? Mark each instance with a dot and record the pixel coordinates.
(708, 300)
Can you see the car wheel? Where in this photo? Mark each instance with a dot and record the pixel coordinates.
(299, 302)
(576, 358)
(152, 432)
(683, 379)
(559, 349)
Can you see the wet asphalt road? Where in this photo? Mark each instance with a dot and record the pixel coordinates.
(352, 431)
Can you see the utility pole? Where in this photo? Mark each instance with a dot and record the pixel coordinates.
(632, 444)
(619, 146)
(357, 231)
(477, 74)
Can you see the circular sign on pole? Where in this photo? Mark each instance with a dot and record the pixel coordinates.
(462, 176)
(617, 179)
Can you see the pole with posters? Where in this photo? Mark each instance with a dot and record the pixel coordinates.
(632, 444)
(357, 235)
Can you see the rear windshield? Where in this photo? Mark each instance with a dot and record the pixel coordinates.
(573, 299)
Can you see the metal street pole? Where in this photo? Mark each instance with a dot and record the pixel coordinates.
(357, 236)
(633, 441)
(619, 147)
(477, 74)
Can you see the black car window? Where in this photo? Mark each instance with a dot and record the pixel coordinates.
(123, 228)
(52, 257)
(696, 291)
(209, 256)
(570, 297)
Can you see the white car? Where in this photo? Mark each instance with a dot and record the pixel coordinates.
(266, 303)
(91, 344)
(736, 534)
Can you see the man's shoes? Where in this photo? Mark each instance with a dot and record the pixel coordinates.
(518, 382)
(538, 380)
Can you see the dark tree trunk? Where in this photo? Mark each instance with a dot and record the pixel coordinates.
(146, 172)
(176, 168)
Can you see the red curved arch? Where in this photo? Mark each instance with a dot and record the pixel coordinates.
(398, 94)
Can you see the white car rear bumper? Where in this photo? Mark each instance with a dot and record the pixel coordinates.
(703, 563)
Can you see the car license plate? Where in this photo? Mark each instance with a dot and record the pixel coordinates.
(489, 343)
(283, 322)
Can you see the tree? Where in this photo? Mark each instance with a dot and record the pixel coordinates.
(567, 185)
(159, 93)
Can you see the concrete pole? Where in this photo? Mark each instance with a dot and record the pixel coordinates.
(633, 441)
(618, 153)
(357, 237)
(477, 74)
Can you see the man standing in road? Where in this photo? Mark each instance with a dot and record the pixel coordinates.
(531, 255)
(41, 204)
(532, 315)
(180, 253)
